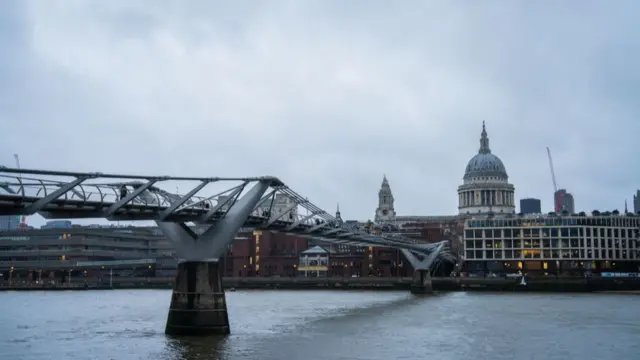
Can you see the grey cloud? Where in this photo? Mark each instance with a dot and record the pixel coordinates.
(329, 95)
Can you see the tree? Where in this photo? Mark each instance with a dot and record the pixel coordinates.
(582, 213)
(595, 213)
(615, 212)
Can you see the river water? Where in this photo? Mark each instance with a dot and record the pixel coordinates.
(323, 325)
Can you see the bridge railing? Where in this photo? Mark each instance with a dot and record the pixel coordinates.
(94, 193)
(26, 192)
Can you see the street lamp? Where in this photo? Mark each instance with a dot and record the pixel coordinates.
(10, 275)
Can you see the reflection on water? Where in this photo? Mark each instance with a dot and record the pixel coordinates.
(190, 348)
(129, 324)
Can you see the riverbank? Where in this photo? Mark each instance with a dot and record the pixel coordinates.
(543, 284)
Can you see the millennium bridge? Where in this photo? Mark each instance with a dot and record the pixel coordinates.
(222, 205)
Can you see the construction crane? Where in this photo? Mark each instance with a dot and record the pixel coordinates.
(23, 219)
(556, 199)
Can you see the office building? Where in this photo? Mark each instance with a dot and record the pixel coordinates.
(10, 222)
(530, 206)
(563, 202)
(556, 245)
(58, 224)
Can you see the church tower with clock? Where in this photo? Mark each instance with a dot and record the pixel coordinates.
(385, 211)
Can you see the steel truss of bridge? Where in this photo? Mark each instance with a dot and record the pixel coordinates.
(224, 204)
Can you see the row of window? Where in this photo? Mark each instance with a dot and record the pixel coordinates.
(619, 221)
(322, 262)
(553, 254)
(551, 243)
(30, 258)
(76, 248)
(552, 232)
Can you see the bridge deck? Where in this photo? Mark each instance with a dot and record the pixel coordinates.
(70, 195)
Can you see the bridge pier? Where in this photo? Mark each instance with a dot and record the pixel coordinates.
(421, 282)
(422, 270)
(198, 305)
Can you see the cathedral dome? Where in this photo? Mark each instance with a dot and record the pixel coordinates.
(485, 164)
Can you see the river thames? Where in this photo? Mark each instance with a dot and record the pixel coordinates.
(323, 325)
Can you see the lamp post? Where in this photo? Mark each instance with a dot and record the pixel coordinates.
(10, 275)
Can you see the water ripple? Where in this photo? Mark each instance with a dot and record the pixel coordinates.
(322, 325)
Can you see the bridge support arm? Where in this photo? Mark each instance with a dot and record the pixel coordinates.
(422, 270)
(212, 243)
(224, 231)
(428, 260)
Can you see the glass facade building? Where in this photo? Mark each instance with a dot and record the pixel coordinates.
(10, 222)
(552, 244)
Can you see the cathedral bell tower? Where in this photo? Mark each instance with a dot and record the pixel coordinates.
(385, 211)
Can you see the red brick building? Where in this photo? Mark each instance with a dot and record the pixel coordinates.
(346, 264)
(264, 253)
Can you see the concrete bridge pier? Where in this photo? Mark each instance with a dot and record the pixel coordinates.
(198, 304)
(421, 282)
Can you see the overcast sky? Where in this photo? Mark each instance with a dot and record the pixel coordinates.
(329, 95)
